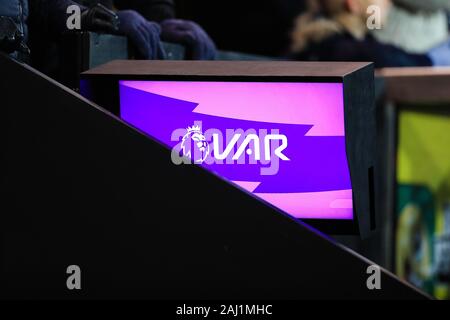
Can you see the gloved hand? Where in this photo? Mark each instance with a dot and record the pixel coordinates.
(143, 34)
(198, 44)
(99, 18)
(440, 55)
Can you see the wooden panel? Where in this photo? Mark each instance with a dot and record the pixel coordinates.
(416, 85)
(227, 68)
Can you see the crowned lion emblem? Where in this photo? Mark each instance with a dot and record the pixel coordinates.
(194, 144)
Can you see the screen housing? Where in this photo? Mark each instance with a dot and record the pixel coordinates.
(101, 85)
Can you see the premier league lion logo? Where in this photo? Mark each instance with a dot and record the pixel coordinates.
(194, 145)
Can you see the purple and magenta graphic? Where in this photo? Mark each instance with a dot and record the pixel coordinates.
(283, 142)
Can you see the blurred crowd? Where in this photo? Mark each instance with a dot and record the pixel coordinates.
(391, 33)
(409, 32)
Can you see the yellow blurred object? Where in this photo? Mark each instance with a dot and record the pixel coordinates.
(423, 161)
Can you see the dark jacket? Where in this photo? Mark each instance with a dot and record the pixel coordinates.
(317, 38)
(153, 10)
(47, 21)
(49, 16)
(344, 47)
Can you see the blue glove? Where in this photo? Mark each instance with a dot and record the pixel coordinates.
(143, 34)
(197, 42)
(440, 55)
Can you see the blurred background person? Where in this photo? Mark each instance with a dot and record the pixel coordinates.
(336, 30)
(416, 26)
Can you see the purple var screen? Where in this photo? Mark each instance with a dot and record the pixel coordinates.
(283, 142)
